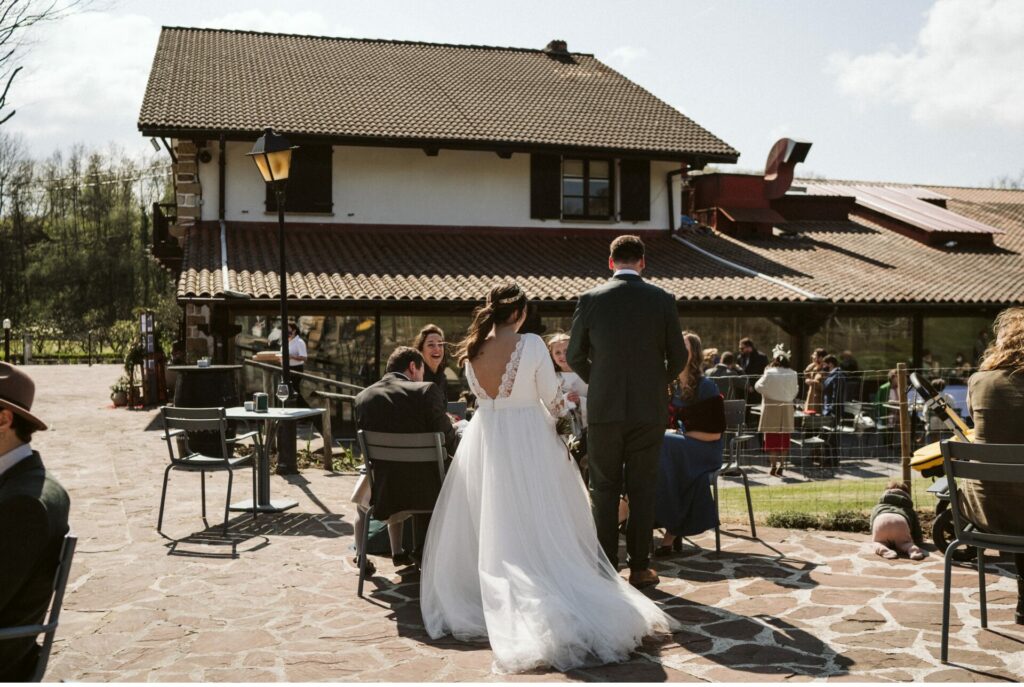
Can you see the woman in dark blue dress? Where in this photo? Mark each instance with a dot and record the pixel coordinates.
(691, 455)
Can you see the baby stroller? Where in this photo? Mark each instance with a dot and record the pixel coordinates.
(928, 461)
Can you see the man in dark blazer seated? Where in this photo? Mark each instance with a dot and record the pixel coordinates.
(627, 345)
(33, 522)
(401, 402)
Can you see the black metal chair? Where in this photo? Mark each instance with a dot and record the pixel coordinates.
(49, 627)
(813, 438)
(179, 423)
(387, 447)
(991, 463)
(735, 436)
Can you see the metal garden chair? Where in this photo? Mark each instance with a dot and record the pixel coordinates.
(49, 627)
(386, 447)
(991, 463)
(736, 436)
(178, 424)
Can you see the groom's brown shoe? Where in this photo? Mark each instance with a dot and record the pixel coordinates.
(643, 578)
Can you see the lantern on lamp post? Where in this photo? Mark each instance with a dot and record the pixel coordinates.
(272, 154)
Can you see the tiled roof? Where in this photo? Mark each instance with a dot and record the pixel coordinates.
(356, 265)
(207, 80)
(844, 262)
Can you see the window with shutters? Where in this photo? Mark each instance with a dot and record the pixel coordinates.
(587, 189)
(309, 181)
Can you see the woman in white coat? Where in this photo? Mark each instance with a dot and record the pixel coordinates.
(778, 386)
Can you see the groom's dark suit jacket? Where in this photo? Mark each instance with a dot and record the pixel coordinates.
(395, 404)
(33, 521)
(626, 344)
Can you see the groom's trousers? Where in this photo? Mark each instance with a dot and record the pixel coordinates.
(623, 459)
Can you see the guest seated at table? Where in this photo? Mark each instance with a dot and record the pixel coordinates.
(683, 503)
(778, 386)
(401, 402)
(996, 402)
(33, 521)
(430, 343)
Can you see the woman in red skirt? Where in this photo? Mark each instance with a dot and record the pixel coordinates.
(778, 387)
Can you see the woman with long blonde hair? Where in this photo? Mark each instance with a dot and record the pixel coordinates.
(996, 401)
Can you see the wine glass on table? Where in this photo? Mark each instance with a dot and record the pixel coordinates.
(283, 392)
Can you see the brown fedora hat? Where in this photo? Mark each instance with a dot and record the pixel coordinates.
(16, 393)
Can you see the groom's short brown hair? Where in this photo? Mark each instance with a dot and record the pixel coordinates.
(627, 248)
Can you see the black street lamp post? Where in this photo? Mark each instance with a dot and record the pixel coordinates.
(272, 154)
(7, 340)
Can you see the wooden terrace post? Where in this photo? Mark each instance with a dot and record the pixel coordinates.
(901, 392)
(328, 436)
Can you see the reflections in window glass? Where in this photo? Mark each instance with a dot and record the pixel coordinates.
(599, 188)
(572, 206)
(598, 169)
(598, 207)
(572, 187)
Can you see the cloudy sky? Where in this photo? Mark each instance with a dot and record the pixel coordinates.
(922, 91)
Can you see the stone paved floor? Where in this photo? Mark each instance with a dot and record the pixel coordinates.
(276, 599)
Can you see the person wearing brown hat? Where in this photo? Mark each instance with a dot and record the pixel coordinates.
(33, 521)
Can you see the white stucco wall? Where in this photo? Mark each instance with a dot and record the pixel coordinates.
(405, 186)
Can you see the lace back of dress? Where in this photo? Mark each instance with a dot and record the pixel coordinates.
(508, 377)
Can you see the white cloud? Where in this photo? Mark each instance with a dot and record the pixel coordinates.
(967, 66)
(83, 81)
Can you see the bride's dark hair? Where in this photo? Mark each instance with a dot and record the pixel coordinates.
(503, 300)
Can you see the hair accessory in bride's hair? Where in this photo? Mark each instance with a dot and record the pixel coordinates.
(509, 299)
(780, 351)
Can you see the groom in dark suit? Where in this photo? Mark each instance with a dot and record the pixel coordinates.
(627, 345)
(33, 522)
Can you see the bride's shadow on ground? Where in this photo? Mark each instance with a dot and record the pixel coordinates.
(760, 644)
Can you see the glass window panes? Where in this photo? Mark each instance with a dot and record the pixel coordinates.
(599, 188)
(572, 186)
(572, 206)
(573, 168)
(587, 188)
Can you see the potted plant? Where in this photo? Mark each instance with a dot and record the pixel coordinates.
(119, 391)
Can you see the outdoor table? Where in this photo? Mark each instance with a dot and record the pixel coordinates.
(273, 417)
(211, 386)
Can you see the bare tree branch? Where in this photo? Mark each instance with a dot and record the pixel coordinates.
(16, 16)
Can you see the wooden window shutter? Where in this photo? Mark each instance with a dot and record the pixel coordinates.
(545, 186)
(635, 191)
(309, 183)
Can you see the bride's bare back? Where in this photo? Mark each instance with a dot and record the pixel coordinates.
(491, 360)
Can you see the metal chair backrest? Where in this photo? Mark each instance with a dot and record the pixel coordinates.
(990, 463)
(813, 424)
(195, 420)
(735, 414)
(382, 447)
(49, 626)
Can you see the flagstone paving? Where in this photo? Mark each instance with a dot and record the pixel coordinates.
(275, 600)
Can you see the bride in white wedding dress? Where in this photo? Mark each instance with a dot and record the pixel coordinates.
(512, 554)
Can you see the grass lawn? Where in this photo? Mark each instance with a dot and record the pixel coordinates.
(816, 498)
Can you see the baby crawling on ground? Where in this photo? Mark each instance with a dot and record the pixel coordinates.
(894, 525)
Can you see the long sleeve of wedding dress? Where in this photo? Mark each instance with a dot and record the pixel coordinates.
(512, 553)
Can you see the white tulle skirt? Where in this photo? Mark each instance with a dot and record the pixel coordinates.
(512, 554)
